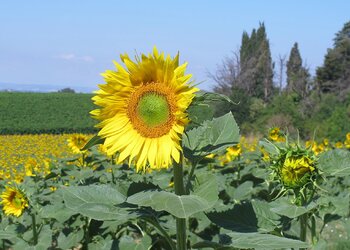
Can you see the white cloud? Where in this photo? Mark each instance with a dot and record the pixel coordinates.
(73, 57)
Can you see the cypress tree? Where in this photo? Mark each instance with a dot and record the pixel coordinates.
(256, 64)
(297, 75)
(334, 75)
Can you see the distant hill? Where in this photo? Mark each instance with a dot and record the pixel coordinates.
(34, 113)
(15, 87)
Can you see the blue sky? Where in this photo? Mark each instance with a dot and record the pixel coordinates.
(69, 43)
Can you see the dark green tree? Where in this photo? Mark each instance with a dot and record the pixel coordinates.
(256, 68)
(334, 75)
(297, 75)
(342, 35)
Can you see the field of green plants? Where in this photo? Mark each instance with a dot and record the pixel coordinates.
(233, 196)
(37, 113)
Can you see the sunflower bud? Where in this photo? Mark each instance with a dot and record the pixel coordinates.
(296, 171)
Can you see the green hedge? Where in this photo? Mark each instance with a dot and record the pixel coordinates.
(35, 113)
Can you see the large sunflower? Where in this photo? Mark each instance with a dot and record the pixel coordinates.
(143, 109)
(13, 201)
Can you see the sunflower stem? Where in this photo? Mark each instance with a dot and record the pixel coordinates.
(303, 226)
(303, 218)
(190, 176)
(35, 232)
(162, 231)
(180, 190)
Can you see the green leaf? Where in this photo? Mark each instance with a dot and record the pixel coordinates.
(263, 241)
(247, 217)
(92, 142)
(57, 211)
(103, 244)
(240, 218)
(212, 136)
(198, 114)
(204, 197)
(129, 243)
(284, 207)
(271, 149)
(97, 202)
(203, 107)
(7, 235)
(335, 162)
(207, 244)
(104, 194)
(243, 191)
(267, 220)
(71, 240)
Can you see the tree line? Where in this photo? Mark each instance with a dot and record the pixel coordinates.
(253, 80)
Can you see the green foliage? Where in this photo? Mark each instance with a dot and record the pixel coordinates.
(211, 137)
(203, 198)
(297, 75)
(334, 75)
(32, 113)
(335, 163)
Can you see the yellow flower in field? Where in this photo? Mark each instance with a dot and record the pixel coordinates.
(143, 109)
(13, 201)
(265, 154)
(274, 133)
(348, 136)
(347, 141)
(295, 170)
(339, 144)
(76, 142)
(234, 151)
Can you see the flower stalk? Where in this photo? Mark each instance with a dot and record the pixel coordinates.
(180, 190)
(35, 232)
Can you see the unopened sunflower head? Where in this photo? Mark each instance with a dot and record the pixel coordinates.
(13, 201)
(295, 167)
(143, 109)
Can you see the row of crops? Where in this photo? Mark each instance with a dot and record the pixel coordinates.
(38, 113)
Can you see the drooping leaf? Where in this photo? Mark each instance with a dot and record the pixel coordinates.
(212, 136)
(335, 162)
(93, 141)
(202, 107)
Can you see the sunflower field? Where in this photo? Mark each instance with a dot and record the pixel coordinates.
(163, 172)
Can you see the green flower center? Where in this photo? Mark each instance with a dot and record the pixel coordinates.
(17, 202)
(153, 109)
